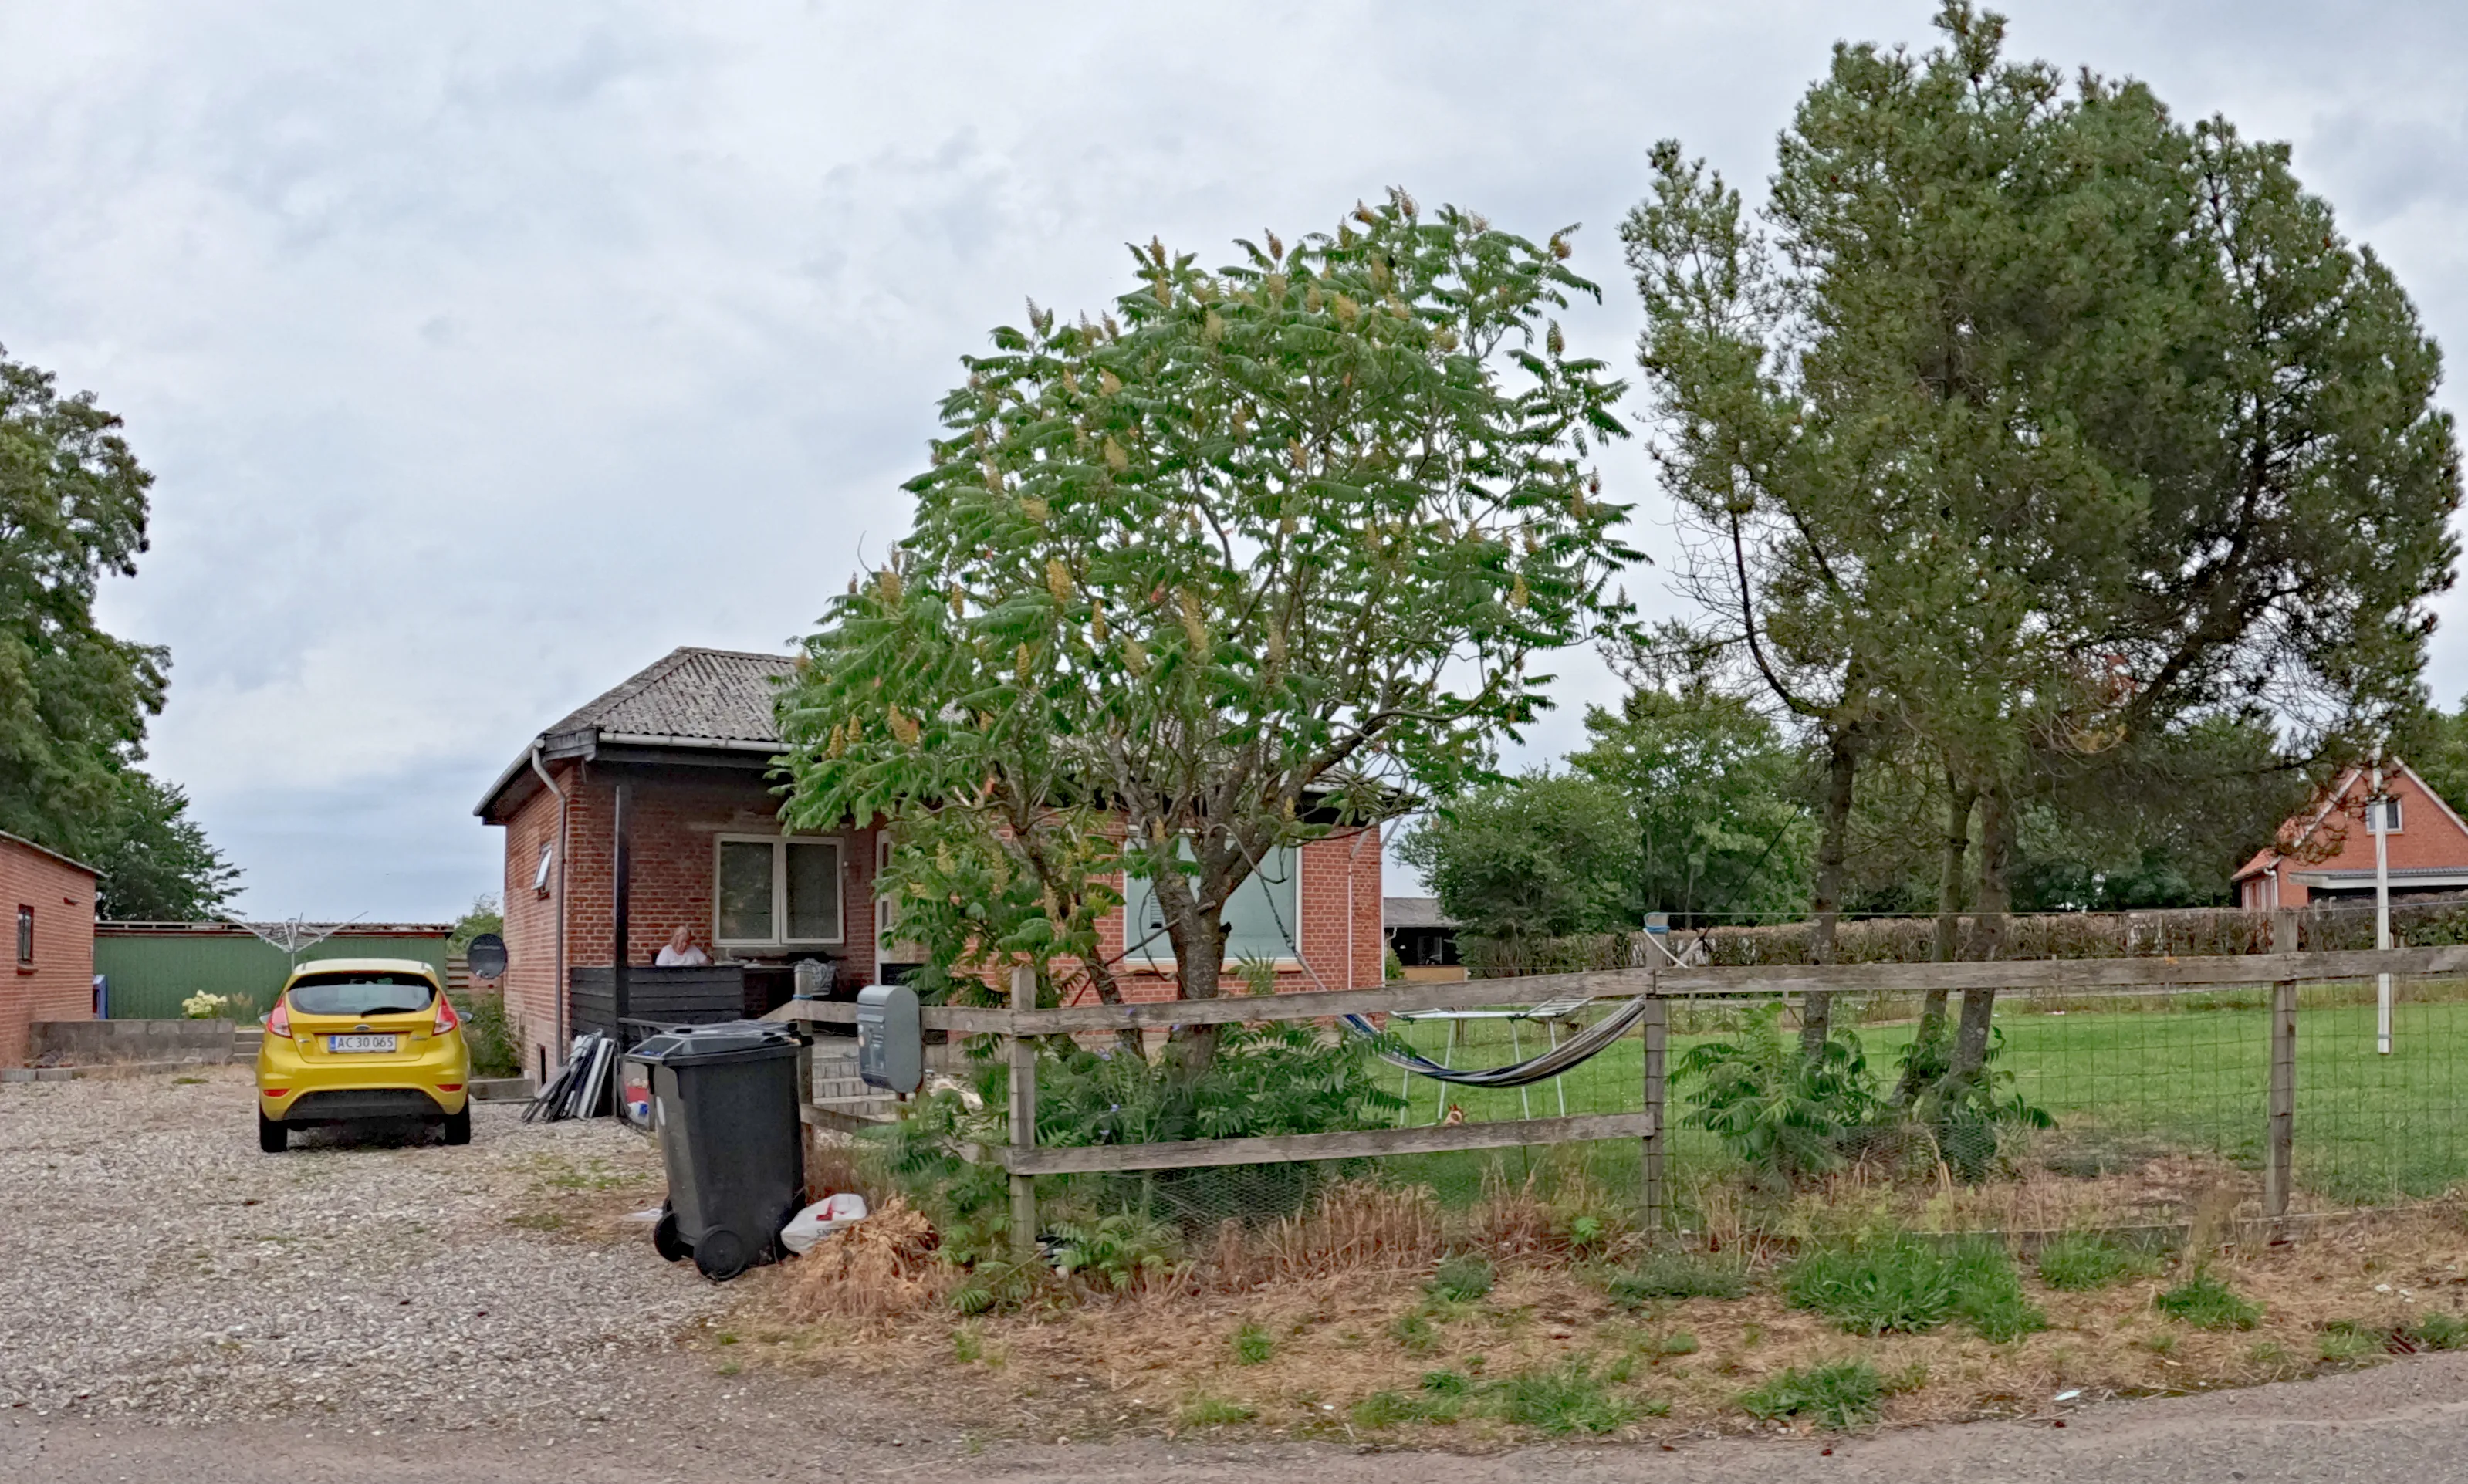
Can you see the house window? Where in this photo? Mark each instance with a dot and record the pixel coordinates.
(1263, 919)
(540, 875)
(26, 935)
(2387, 818)
(776, 892)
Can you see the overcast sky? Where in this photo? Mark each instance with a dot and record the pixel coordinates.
(485, 353)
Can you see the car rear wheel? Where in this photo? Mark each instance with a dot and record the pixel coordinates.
(271, 1136)
(458, 1126)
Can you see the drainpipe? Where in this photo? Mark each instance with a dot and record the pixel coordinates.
(556, 990)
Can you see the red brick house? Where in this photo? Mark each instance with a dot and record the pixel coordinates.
(2325, 853)
(691, 740)
(49, 900)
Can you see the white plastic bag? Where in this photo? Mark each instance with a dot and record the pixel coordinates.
(845, 1208)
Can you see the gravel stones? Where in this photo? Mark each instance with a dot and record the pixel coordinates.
(158, 1265)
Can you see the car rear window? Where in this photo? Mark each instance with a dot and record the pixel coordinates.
(374, 993)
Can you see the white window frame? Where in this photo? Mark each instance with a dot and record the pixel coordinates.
(2395, 822)
(1160, 954)
(540, 873)
(780, 844)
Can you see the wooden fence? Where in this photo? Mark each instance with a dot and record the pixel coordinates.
(1024, 1159)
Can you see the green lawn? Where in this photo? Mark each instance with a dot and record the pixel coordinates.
(2189, 1076)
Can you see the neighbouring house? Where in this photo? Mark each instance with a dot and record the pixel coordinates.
(689, 744)
(2325, 852)
(1424, 938)
(50, 901)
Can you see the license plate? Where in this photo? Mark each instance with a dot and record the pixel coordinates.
(360, 1042)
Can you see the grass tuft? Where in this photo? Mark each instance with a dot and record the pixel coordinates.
(2206, 1303)
(2434, 1332)
(1838, 1397)
(2079, 1261)
(2346, 1339)
(1901, 1284)
(1461, 1280)
(1564, 1399)
(1988, 1294)
(1253, 1345)
(1671, 1275)
(1207, 1411)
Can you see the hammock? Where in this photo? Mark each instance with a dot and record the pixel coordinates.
(1579, 1048)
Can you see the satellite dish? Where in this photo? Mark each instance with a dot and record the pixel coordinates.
(486, 957)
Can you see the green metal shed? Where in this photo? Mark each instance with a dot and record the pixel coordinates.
(149, 969)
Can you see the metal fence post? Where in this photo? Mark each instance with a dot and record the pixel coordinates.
(1654, 1027)
(1023, 1117)
(2279, 1157)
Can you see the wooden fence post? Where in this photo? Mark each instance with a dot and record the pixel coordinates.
(1023, 1117)
(1654, 1027)
(2279, 1155)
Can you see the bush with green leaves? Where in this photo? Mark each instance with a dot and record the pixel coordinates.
(1905, 1285)
(494, 1052)
(2080, 1261)
(1783, 1113)
(1967, 1116)
(2208, 1303)
(1114, 1252)
(1838, 1397)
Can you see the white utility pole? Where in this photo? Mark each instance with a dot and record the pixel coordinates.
(2378, 815)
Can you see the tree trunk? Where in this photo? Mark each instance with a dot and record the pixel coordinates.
(1988, 931)
(1842, 777)
(1922, 1067)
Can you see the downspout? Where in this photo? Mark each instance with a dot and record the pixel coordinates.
(556, 990)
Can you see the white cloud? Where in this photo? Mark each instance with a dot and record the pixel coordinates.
(485, 353)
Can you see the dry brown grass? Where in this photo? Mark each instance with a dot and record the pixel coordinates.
(881, 1269)
(1355, 1227)
(1348, 1317)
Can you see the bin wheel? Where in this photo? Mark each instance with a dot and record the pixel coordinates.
(458, 1126)
(271, 1136)
(665, 1239)
(721, 1255)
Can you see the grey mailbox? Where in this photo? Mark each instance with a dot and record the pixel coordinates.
(890, 1045)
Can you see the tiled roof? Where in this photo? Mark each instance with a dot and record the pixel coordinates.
(723, 694)
(1413, 912)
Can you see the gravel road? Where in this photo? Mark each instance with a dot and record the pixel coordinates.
(159, 1265)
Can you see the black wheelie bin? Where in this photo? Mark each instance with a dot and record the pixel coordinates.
(724, 1104)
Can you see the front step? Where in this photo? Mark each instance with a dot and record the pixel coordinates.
(245, 1042)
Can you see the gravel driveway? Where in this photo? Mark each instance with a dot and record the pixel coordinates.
(159, 1265)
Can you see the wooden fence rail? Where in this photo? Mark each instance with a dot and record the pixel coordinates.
(1019, 1024)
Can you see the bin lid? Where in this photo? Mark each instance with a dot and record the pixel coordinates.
(732, 1039)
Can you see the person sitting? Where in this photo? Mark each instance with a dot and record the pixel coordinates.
(680, 950)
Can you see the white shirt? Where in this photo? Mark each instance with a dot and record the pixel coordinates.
(692, 957)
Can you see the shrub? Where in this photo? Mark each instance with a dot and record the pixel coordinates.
(2206, 1303)
(1782, 1113)
(493, 1052)
(1673, 1275)
(1116, 1251)
(1461, 1280)
(1564, 1400)
(1836, 1396)
(1253, 1345)
(2078, 1262)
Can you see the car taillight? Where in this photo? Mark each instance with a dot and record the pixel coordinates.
(446, 1019)
(278, 1023)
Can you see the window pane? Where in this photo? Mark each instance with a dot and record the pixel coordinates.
(1261, 919)
(744, 892)
(814, 893)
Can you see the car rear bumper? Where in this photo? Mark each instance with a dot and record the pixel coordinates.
(345, 1104)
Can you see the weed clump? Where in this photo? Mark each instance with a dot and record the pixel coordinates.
(1207, 1411)
(1253, 1345)
(1564, 1399)
(2206, 1303)
(1837, 1397)
(1461, 1280)
(2434, 1332)
(1677, 1275)
(2078, 1262)
(1901, 1284)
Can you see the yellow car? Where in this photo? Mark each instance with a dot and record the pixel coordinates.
(353, 1039)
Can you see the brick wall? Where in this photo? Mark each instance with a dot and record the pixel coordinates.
(530, 984)
(58, 985)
